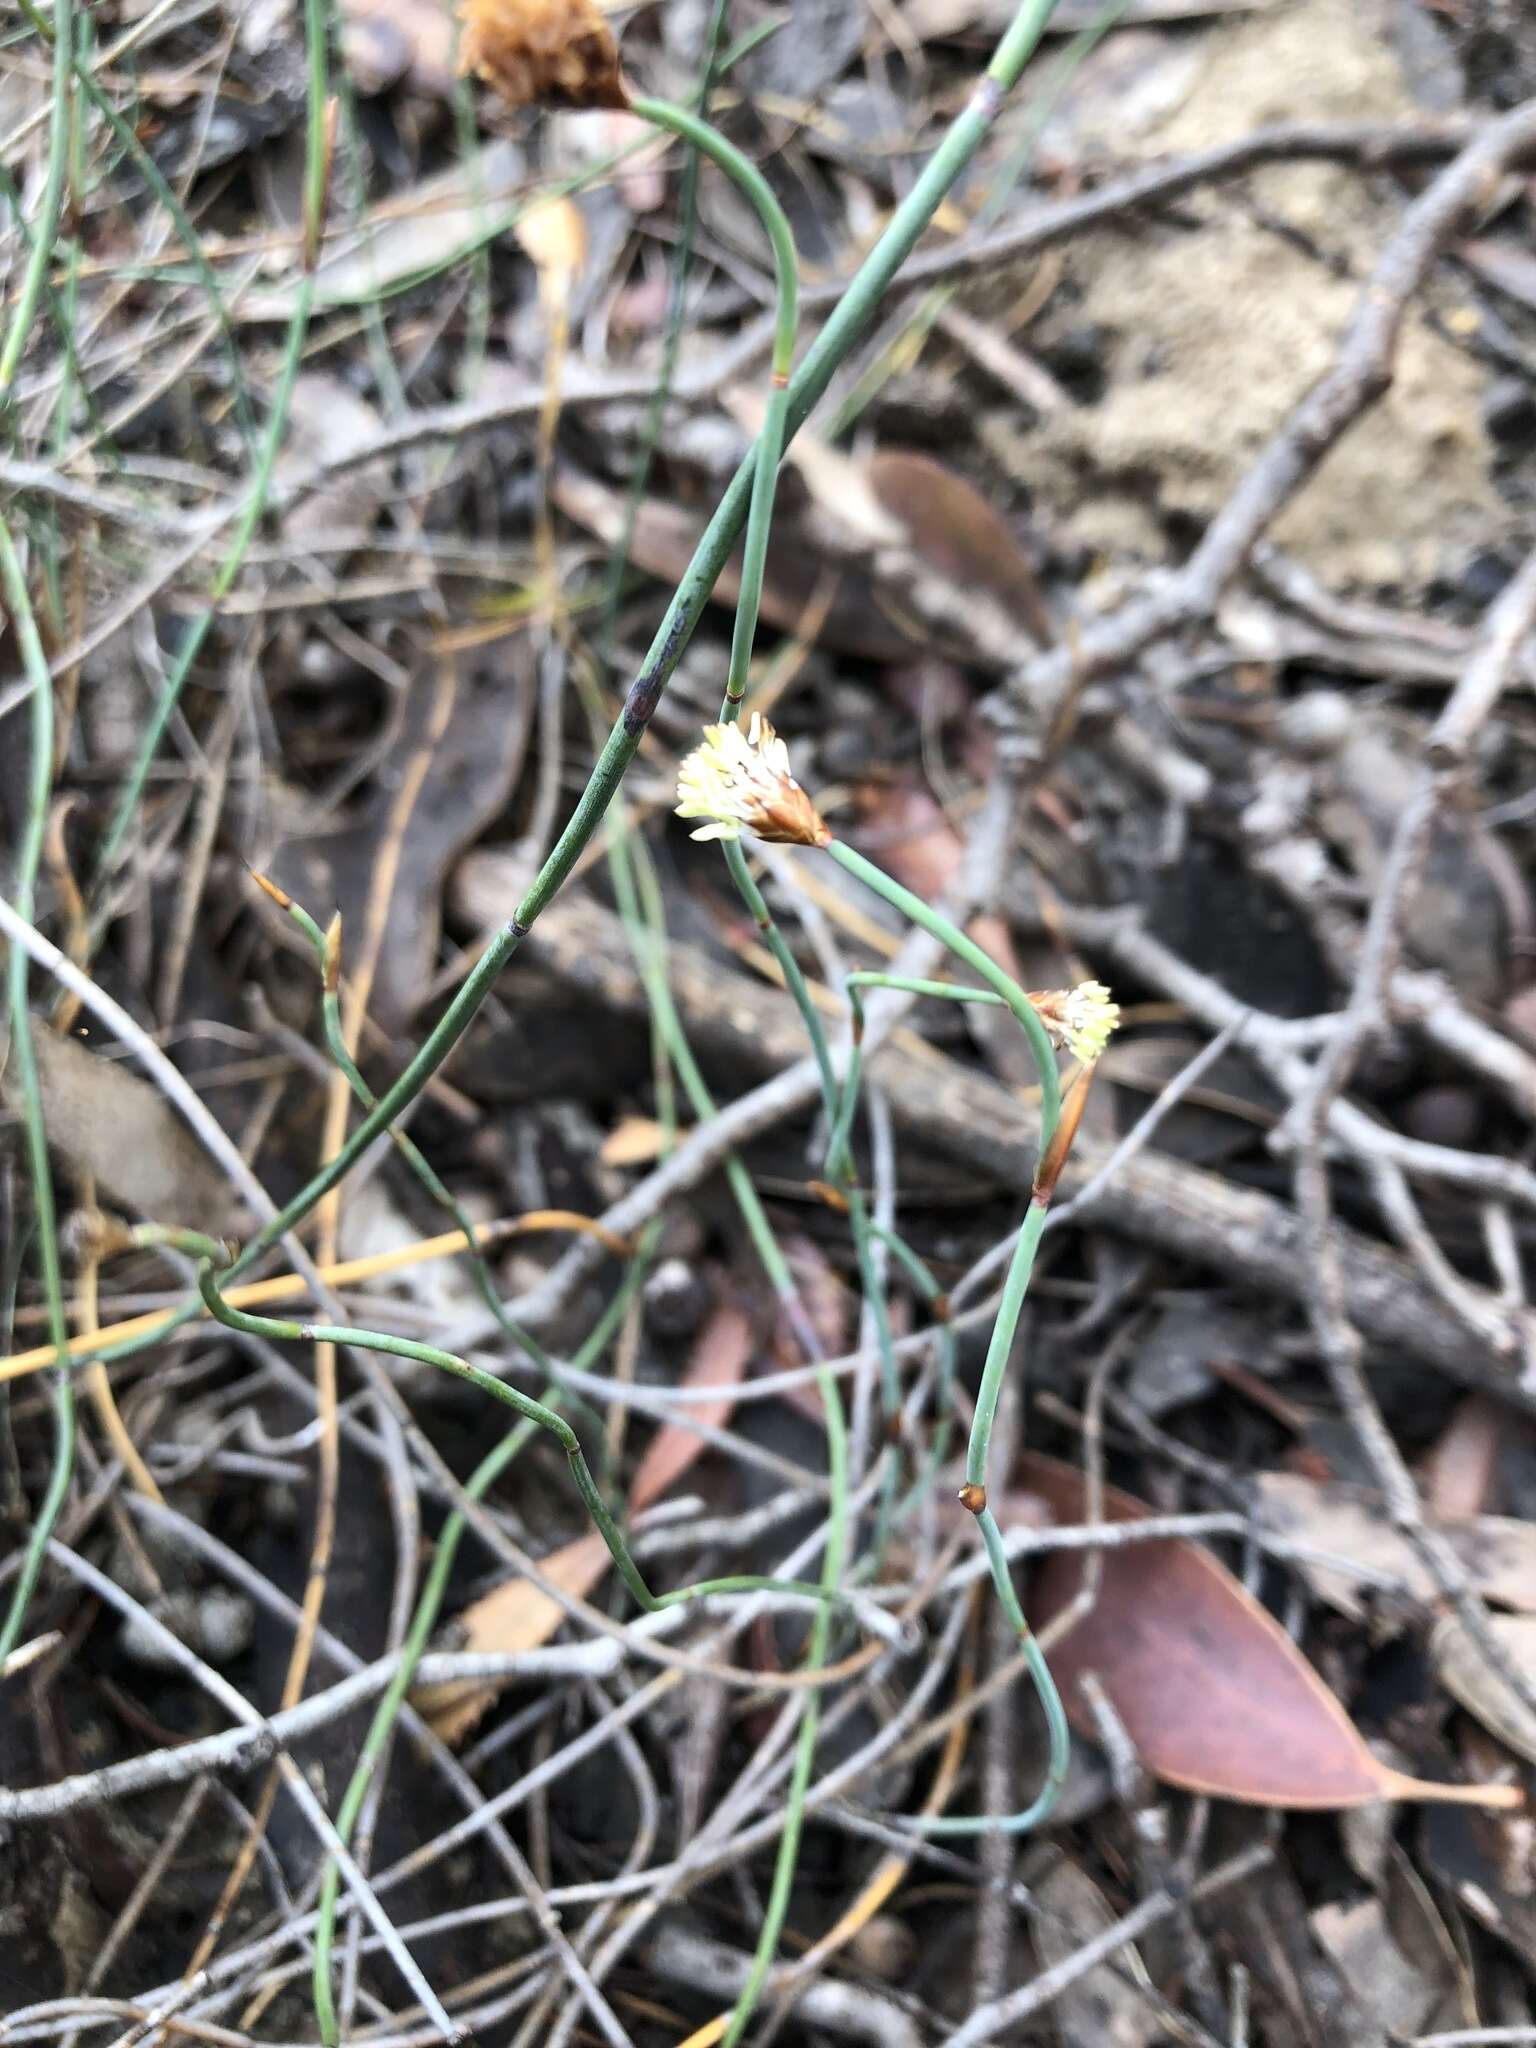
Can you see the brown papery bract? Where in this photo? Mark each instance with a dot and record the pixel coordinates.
(543, 53)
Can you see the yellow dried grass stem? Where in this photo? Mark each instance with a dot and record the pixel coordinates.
(346, 1273)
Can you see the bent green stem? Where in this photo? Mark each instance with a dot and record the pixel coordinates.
(1005, 1324)
(534, 1411)
(956, 149)
(1058, 1734)
(18, 602)
(966, 949)
(46, 227)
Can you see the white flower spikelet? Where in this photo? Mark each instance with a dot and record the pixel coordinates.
(1081, 1018)
(739, 778)
(1089, 1018)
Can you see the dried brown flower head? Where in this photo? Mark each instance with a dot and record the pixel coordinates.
(543, 53)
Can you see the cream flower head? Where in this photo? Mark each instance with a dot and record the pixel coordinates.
(737, 778)
(1081, 1018)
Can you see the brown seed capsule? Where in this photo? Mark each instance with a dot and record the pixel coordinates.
(333, 955)
(279, 896)
(544, 53)
(1073, 1103)
(973, 1498)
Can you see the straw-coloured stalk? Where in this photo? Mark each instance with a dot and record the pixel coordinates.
(543, 53)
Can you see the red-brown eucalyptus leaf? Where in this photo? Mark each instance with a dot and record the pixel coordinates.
(719, 1359)
(1213, 1693)
(965, 538)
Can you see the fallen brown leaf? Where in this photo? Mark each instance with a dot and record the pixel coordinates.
(954, 529)
(1213, 1693)
(719, 1359)
(1352, 1526)
(109, 1123)
(516, 1615)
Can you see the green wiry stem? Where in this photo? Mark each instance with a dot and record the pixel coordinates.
(921, 1275)
(1058, 1734)
(423, 1621)
(1015, 1287)
(788, 1852)
(907, 345)
(46, 226)
(538, 1412)
(809, 382)
(545, 1417)
(1004, 1325)
(966, 949)
(770, 445)
(405, 1145)
(805, 1746)
(759, 193)
(18, 602)
(126, 808)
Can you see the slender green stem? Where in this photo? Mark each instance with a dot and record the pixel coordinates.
(652, 968)
(405, 1145)
(907, 345)
(677, 308)
(58, 314)
(770, 443)
(131, 794)
(921, 1276)
(635, 887)
(1015, 1286)
(794, 979)
(805, 1747)
(1005, 1325)
(13, 584)
(750, 181)
(165, 194)
(285, 1331)
(809, 382)
(46, 226)
(966, 949)
(1058, 1734)
(18, 602)
(839, 1158)
(915, 985)
(423, 1621)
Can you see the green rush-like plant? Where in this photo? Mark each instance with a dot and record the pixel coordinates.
(728, 776)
